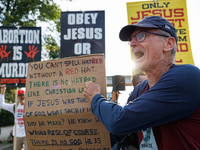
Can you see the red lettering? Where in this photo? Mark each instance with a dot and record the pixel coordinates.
(145, 13)
(20, 119)
(9, 81)
(23, 81)
(71, 71)
(138, 16)
(176, 20)
(157, 12)
(133, 22)
(93, 60)
(165, 14)
(20, 110)
(20, 123)
(177, 13)
(100, 60)
(179, 21)
(68, 71)
(183, 47)
(97, 61)
(178, 61)
(177, 50)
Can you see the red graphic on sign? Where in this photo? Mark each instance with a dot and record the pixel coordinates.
(3, 52)
(32, 52)
(9, 81)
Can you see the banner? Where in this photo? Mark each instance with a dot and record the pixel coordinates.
(18, 47)
(174, 11)
(56, 114)
(82, 33)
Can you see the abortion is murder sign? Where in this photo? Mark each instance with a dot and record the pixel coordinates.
(82, 33)
(56, 114)
(18, 47)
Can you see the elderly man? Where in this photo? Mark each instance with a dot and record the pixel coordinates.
(169, 101)
(20, 129)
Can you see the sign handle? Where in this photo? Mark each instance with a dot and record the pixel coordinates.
(15, 116)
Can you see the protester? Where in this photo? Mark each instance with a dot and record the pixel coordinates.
(20, 130)
(114, 96)
(169, 101)
(137, 78)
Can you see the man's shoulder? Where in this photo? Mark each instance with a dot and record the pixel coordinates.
(185, 68)
(183, 77)
(183, 71)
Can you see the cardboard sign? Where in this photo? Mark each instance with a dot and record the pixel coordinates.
(56, 115)
(83, 33)
(18, 46)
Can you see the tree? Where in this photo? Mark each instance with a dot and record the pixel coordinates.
(29, 13)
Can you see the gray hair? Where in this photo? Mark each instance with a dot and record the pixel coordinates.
(173, 52)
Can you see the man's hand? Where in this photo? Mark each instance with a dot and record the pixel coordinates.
(3, 89)
(91, 90)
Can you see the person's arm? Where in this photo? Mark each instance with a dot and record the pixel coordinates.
(3, 89)
(173, 97)
(3, 105)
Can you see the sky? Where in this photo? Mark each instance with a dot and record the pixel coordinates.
(118, 59)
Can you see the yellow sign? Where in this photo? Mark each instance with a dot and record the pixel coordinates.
(174, 11)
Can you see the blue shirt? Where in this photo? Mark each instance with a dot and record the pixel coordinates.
(176, 95)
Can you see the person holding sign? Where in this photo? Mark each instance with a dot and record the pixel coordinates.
(169, 101)
(114, 96)
(20, 130)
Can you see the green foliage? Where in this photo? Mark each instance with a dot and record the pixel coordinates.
(52, 47)
(7, 118)
(28, 13)
(10, 94)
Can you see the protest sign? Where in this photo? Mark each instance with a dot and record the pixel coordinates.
(18, 47)
(83, 33)
(56, 114)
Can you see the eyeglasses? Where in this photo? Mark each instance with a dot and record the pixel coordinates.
(141, 36)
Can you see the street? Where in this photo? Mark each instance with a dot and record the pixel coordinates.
(5, 131)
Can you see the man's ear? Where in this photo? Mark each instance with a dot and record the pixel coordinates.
(169, 44)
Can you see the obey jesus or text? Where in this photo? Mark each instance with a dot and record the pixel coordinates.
(56, 115)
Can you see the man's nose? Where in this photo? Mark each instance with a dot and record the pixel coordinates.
(133, 42)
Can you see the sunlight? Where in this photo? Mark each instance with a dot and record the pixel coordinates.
(133, 67)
